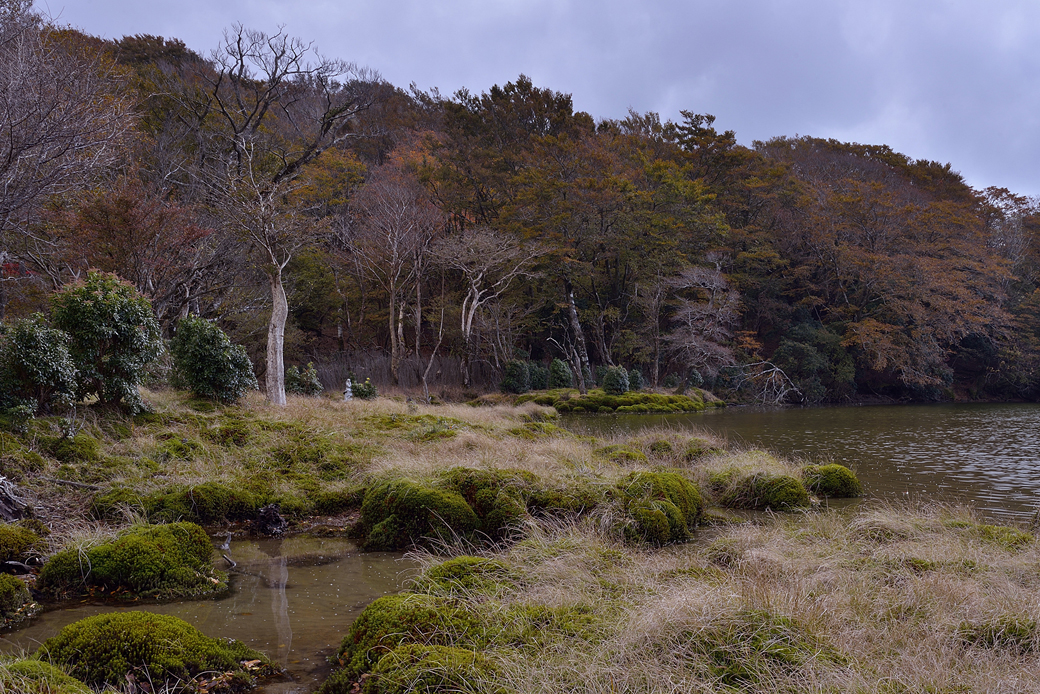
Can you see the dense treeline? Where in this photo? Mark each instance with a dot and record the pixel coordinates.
(308, 206)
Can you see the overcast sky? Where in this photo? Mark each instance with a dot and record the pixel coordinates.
(949, 80)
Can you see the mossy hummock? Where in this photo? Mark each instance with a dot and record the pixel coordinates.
(164, 561)
(160, 649)
(662, 507)
(31, 676)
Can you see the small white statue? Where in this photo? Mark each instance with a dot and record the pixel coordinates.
(348, 392)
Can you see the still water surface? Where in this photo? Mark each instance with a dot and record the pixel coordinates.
(292, 599)
(986, 455)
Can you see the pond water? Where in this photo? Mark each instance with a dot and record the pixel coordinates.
(986, 455)
(292, 599)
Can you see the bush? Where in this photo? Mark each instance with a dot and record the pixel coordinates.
(36, 371)
(160, 649)
(364, 391)
(539, 375)
(635, 380)
(400, 513)
(303, 382)
(206, 361)
(32, 676)
(615, 381)
(833, 481)
(517, 378)
(114, 336)
(157, 561)
(560, 375)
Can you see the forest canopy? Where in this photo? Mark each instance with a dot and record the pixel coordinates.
(320, 214)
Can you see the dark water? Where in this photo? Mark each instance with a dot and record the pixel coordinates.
(291, 599)
(985, 455)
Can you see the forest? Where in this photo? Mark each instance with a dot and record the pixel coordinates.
(319, 214)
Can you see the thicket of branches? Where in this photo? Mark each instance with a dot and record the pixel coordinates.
(313, 209)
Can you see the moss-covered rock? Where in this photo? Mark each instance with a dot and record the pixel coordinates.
(160, 649)
(831, 481)
(31, 676)
(402, 619)
(159, 561)
(663, 507)
(400, 513)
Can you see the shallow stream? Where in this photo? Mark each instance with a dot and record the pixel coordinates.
(292, 599)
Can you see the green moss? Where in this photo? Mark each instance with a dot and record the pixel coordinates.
(403, 619)
(13, 596)
(161, 649)
(330, 503)
(661, 447)
(180, 447)
(161, 561)
(621, 454)
(525, 625)
(17, 541)
(663, 507)
(32, 676)
(537, 430)
(111, 504)
(233, 433)
(207, 503)
(699, 448)
(1016, 634)
(736, 488)
(831, 481)
(574, 498)
(81, 448)
(401, 513)
(1008, 538)
(465, 574)
(498, 497)
(419, 668)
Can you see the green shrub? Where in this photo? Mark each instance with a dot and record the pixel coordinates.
(160, 649)
(517, 377)
(539, 375)
(364, 390)
(402, 619)
(114, 336)
(832, 481)
(663, 507)
(32, 676)
(421, 668)
(161, 561)
(400, 513)
(560, 375)
(206, 361)
(303, 382)
(635, 380)
(36, 371)
(615, 381)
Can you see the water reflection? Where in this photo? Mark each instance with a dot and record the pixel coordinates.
(291, 599)
(987, 455)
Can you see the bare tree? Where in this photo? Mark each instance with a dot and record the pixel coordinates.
(62, 119)
(707, 312)
(489, 261)
(394, 227)
(274, 105)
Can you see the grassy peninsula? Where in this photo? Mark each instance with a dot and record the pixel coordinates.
(555, 562)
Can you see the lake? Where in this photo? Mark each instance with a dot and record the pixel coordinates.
(986, 455)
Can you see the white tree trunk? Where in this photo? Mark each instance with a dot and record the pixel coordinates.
(276, 340)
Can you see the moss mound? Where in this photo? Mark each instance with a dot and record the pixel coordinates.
(105, 648)
(831, 481)
(17, 541)
(81, 448)
(111, 504)
(599, 401)
(736, 488)
(620, 454)
(38, 677)
(157, 561)
(420, 668)
(401, 619)
(401, 513)
(466, 574)
(663, 507)
(13, 596)
(498, 497)
(207, 503)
